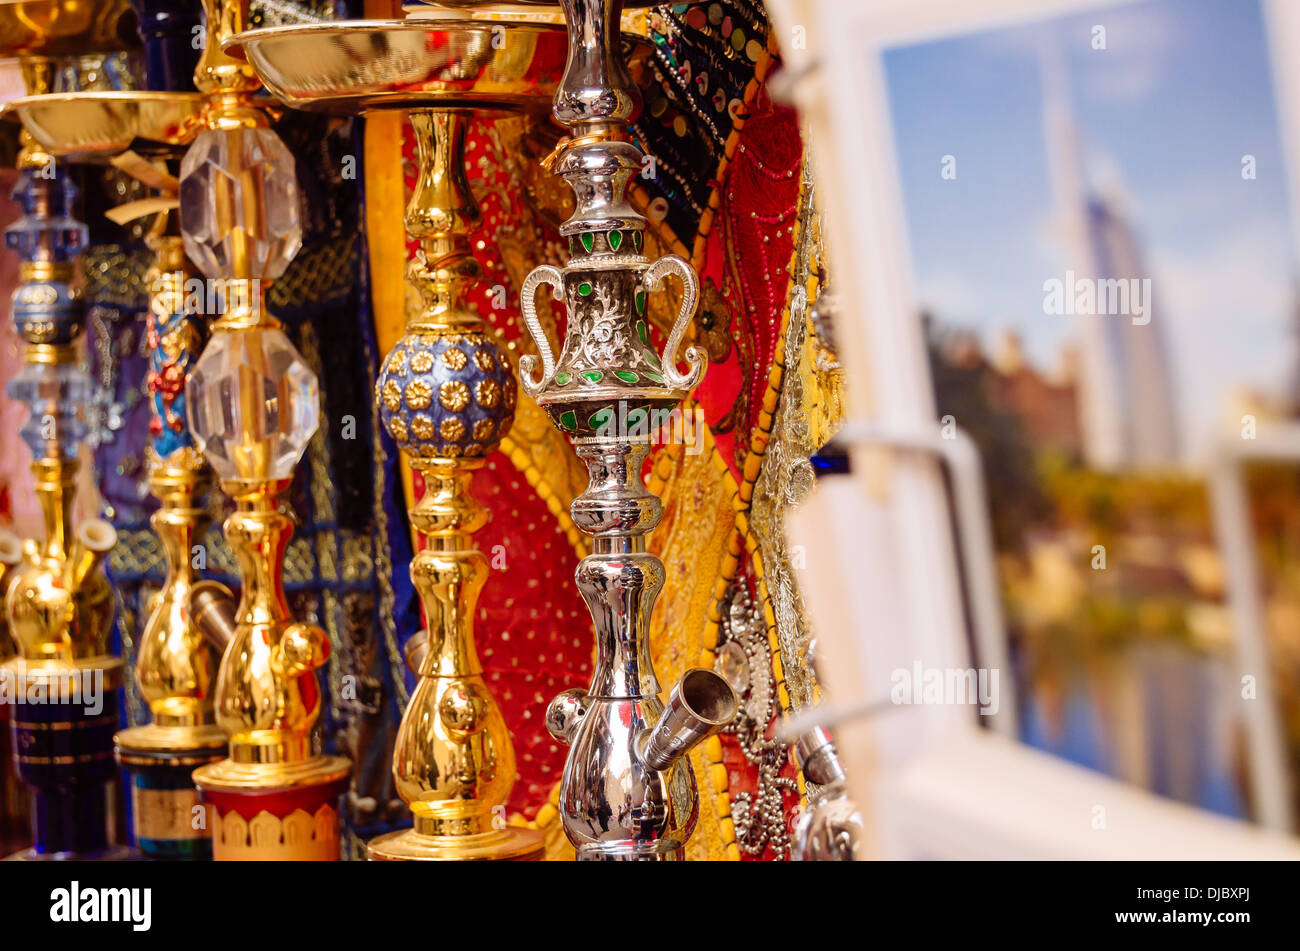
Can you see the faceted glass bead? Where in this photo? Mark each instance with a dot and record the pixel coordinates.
(239, 196)
(28, 236)
(252, 404)
(61, 399)
(48, 223)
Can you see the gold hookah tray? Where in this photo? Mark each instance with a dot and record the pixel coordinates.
(362, 65)
(91, 125)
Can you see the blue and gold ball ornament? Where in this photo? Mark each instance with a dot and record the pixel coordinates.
(447, 395)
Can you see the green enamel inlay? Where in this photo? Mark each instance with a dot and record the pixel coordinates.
(636, 418)
(638, 240)
(615, 240)
(640, 302)
(601, 417)
(588, 240)
(593, 376)
(655, 377)
(627, 376)
(569, 420)
(585, 289)
(642, 331)
(651, 358)
(563, 378)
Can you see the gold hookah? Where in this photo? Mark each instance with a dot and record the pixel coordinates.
(57, 600)
(175, 664)
(446, 391)
(276, 794)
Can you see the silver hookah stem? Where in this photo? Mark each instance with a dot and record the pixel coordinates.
(628, 791)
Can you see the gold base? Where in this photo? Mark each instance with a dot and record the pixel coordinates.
(230, 776)
(50, 672)
(511, 844)
(140, 741)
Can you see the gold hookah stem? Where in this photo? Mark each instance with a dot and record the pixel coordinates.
(441, 214)
(229, 83)
(266, 698)
(259, 533)
(179, 523)
(56, 492)
(447, 396)
(449, 572)
(60, 610)
(55, 477)
(175, 667)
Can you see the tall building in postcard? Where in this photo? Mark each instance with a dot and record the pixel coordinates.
(1126, 390)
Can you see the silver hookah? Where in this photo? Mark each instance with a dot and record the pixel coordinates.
(628, 791)
(830, 829)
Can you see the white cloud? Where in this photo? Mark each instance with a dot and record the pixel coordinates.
(950, 297)
(1227, 315)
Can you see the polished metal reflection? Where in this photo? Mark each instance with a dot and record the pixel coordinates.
(628, 791)
(700, 704)
(364, 64)
(214, 609)
(453, 761)
(99, 125)
(65, 27)
(830, 829)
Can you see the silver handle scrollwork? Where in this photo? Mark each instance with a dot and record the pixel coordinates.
(543, 274)
(653, 277)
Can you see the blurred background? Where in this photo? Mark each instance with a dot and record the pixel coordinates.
(1147, 149)
(1138, 444)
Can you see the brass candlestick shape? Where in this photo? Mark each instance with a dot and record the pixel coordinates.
(628, 792)
(446, 391)
(253, 405)
(58, 603)
(175, 665)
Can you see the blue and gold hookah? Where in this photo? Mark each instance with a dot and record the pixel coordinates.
(63, 681)
(139, 131)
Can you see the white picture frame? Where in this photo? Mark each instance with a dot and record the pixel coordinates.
(882, 582)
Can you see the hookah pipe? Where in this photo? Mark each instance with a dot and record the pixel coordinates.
(453, 761)
(275, 795)
(57, 599)
(628, 791)
(445, 392)
(136, 131)
(177, 659)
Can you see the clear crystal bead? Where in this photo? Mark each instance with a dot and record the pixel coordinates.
(239, 189)
(252, 404)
